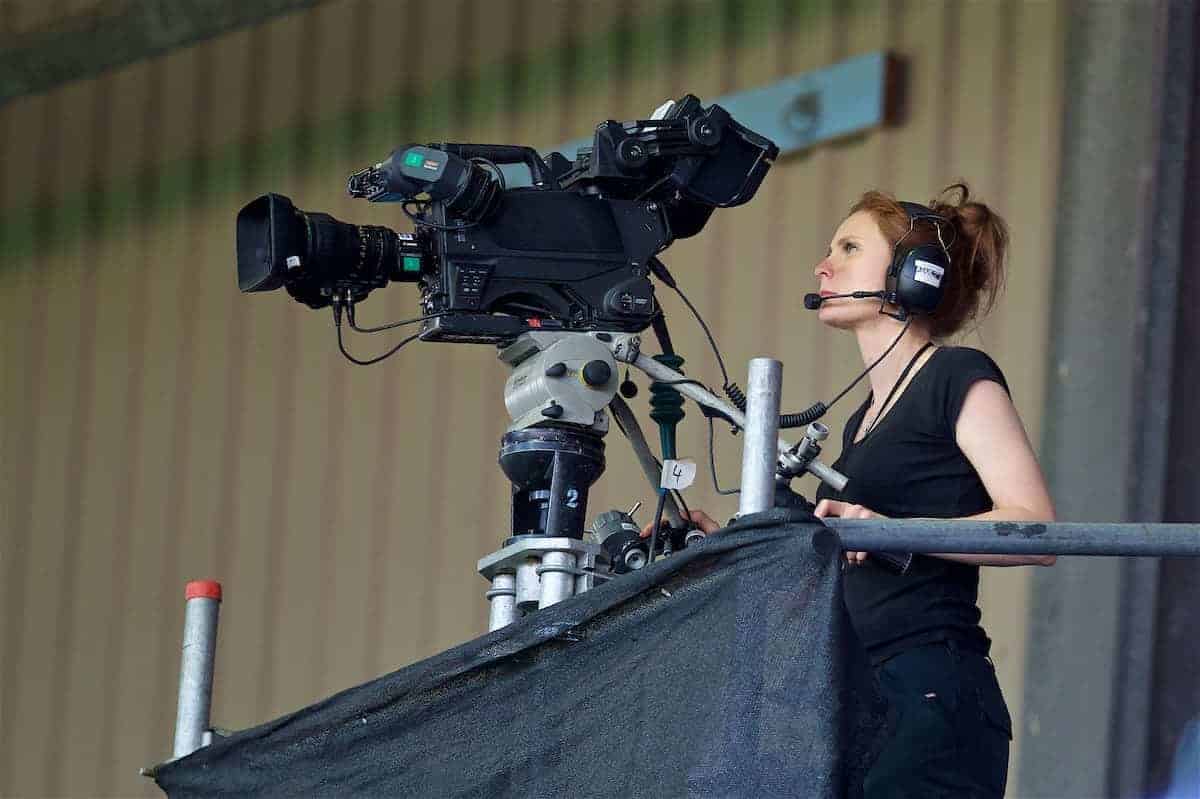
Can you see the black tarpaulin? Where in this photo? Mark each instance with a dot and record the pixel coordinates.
(727, 670)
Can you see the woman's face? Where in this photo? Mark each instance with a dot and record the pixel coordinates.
(857, 260)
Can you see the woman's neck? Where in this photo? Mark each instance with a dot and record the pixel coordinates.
(877, 336)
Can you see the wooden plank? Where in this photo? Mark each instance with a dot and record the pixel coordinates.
(854, 168)
(470, 416)
(41, 605)
(738, 244)
(803, 187)
(1029, 152)
(22, 176)
(345, 434)
(82, 621)
(293, 581)
(394, 451)
(26, 363)
(240, 334)
(412, 451)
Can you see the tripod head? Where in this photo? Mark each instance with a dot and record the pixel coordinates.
(560, 378)
(554, 450)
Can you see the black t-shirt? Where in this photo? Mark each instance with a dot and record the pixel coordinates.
(909, 466)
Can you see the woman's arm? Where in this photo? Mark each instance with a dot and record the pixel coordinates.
(990, 433)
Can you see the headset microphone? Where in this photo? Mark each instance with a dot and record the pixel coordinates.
(914, 280)
(813, 301)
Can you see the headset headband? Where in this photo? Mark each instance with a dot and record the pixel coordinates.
(918, 211)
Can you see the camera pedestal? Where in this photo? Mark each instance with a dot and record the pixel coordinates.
(552, 454)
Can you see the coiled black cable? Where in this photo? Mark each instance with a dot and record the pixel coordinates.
(786, 420)
(732, 390)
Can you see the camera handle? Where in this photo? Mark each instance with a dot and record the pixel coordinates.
(627, 350)
(504, 154)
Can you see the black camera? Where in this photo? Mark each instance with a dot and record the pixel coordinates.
(573, 249)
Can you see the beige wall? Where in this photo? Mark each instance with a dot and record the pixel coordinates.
(158, 427)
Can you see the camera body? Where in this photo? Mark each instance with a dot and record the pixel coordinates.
(545, 259)
(573, 250)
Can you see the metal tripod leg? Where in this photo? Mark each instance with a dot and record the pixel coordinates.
(535, 572)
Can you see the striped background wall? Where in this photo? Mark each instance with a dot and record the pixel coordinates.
(157, 426)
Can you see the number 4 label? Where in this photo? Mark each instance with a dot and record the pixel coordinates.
(678, 474)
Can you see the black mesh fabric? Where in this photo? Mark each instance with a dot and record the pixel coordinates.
(727, 670)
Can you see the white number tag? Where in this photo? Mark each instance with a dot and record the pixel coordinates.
(678, 474)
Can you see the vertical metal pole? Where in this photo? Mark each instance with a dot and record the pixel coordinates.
(503, 599)
(585, 582)
(558, 578)
(759, 447)
(196, 665)
(529, 584)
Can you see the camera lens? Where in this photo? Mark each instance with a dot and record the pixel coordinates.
(268, 231)
(313, 253)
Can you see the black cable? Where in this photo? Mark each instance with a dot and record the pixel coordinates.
(735, 393)
(659, 325)
(787, 420)
(354, 325)
(874, 363)
(674, 491)
(423, 222)
(712, 464)
(704, 326)
(732, 390)
(495, 171)
(368, 362)
(708, 411)
(658, 514)
(895, 388)
(687, 513)
(818, 409)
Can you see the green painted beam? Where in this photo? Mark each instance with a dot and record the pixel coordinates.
(144, 195)
(115, 34)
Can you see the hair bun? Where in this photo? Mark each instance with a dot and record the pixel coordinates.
(977, 254)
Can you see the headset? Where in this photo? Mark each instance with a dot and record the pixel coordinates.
(916, 277)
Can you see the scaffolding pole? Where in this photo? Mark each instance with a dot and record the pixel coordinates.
(1017, 538)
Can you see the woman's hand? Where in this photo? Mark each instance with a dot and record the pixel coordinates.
(706, 523)
(845, 510)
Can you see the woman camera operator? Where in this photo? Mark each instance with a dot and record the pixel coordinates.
(936, 437)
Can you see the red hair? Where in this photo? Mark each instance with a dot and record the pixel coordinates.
(976, 239)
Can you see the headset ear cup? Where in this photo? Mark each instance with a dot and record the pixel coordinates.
(920, 277)
(893, 273)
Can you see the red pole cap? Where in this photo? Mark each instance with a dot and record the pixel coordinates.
(209, 589)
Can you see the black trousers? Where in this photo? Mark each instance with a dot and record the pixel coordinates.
(949, 726)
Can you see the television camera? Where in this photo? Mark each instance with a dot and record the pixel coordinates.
(555, 270)
(571, 251)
